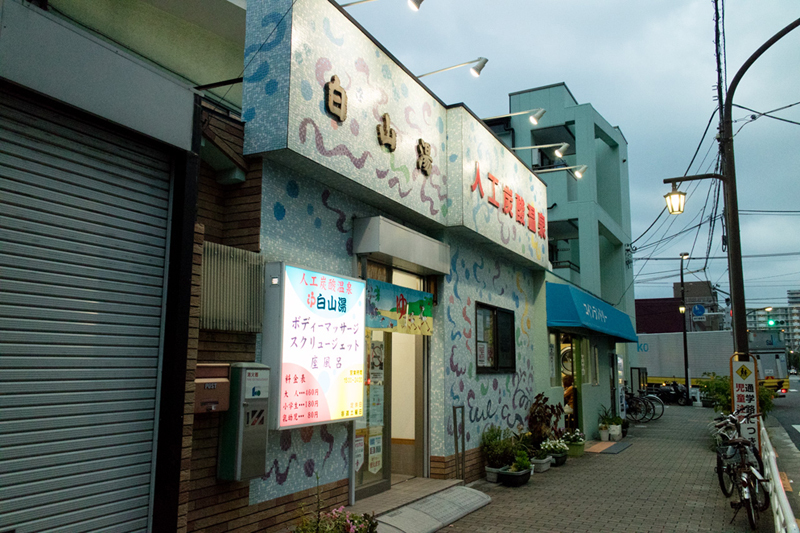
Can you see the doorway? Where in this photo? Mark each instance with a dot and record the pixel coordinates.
(391, 440)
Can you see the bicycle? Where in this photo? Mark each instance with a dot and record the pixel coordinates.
(637, 409)
(744, 474)
(655, 401)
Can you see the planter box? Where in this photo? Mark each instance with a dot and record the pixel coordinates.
(559, 458)
(575, 450)
(604, 435)
(513, 479)
(541, 465)
(615, 433)
(491, 474)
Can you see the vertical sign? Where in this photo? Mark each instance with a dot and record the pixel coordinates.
(744, 396)
(358, 458)
(322, 352)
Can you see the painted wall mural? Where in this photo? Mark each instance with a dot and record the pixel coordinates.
(307, 224)
(501, 399)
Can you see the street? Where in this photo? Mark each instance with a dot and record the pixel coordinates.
(787, 410)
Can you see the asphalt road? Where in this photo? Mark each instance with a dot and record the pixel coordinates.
(787, 411)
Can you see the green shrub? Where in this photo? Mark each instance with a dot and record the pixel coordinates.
(718, 388)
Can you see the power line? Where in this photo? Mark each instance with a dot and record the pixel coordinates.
(753, 256)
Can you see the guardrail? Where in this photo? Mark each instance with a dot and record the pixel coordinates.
(781, 510)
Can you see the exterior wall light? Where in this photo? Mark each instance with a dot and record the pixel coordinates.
(414, 4)
(676, 200)
(578, 170)
(476, 70)
(560, 148)
(535, 117)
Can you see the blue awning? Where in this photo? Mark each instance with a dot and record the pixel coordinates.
(569, 308)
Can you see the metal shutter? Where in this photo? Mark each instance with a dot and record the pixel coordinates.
(83, 234)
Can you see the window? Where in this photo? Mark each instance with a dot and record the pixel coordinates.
(495, 345)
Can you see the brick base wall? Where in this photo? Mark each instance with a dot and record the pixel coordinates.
(445, 467)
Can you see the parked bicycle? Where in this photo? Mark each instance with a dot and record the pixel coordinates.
(740, 468)
(644, 407)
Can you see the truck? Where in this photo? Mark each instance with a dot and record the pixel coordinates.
(709, 352)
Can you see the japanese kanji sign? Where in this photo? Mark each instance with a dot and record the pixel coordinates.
(744, 395)
(322, 352)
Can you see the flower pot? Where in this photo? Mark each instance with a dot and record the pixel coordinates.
(541, 465)
(559, 458)
(615, 432)
(604, 435)
(575, 449)
(491, 474)
(624, 431)
(513, 479)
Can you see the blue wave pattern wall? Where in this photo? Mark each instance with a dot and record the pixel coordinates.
(502, 399)
(305, 223)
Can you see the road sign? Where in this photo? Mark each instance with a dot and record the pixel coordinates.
(701, 318)
(698, 310)
(744, 395)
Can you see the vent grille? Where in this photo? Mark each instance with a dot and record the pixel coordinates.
(232, 297)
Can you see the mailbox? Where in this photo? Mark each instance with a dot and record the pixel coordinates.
(212, 387)
(243, 433)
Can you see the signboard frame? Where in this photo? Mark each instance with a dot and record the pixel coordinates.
(748, 427)
(276, 278)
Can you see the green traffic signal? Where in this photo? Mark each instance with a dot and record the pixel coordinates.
(771, 322)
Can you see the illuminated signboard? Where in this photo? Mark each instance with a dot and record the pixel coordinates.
(314, 337)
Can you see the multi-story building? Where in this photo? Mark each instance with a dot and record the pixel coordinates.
(785, 318)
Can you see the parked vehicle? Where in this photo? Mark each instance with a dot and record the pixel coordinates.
(710, 352)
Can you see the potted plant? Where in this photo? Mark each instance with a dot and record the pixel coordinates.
(541, 460)
(604, 421)
(542, 418)
(557, 449)
(575, 440)
(615, 428)
(497, 450)
(518, 473)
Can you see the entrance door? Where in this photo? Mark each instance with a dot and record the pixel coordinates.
(392, 439)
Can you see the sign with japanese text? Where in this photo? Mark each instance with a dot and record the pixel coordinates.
(744, 395)
(375, 453)
(322, 348)
(358, 456)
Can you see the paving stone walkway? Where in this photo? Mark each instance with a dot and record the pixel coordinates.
(664, 482)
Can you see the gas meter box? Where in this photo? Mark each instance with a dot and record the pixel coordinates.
(243, 434)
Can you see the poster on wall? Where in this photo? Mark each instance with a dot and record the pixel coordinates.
(376, 361)
(318, 327)
(375, 411)
(375, 453)
(358, 456)
(398, 309)
(483, 354)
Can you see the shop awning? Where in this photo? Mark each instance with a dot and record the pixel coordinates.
(569, 308)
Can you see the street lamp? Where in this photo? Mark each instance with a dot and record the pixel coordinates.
(736, 276)
(685, 256)
(476, 70)
(676, 200)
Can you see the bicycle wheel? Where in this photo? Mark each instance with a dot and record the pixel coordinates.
(761, 494)
(658, 406)
(723, 475)
(649, 410)
(636, 409)
(749, 504)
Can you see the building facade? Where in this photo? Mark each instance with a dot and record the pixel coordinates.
(334, 161)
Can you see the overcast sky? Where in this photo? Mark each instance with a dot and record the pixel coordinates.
(648, 67)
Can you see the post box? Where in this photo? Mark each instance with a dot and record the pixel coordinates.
(243, 433)
(212, 387)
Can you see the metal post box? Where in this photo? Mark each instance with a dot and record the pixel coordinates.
(243, 434)
(212, 388)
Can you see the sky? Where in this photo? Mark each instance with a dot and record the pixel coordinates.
(647, 66)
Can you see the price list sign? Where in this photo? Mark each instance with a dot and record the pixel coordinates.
(322, 348)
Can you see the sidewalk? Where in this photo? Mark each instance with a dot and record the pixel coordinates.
(664, 482)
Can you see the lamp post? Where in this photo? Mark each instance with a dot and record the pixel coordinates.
(685, 256)
(736, 276)
(476, 70)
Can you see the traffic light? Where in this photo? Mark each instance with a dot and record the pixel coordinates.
(770, 321)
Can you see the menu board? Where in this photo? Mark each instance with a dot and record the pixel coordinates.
(322, 351)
